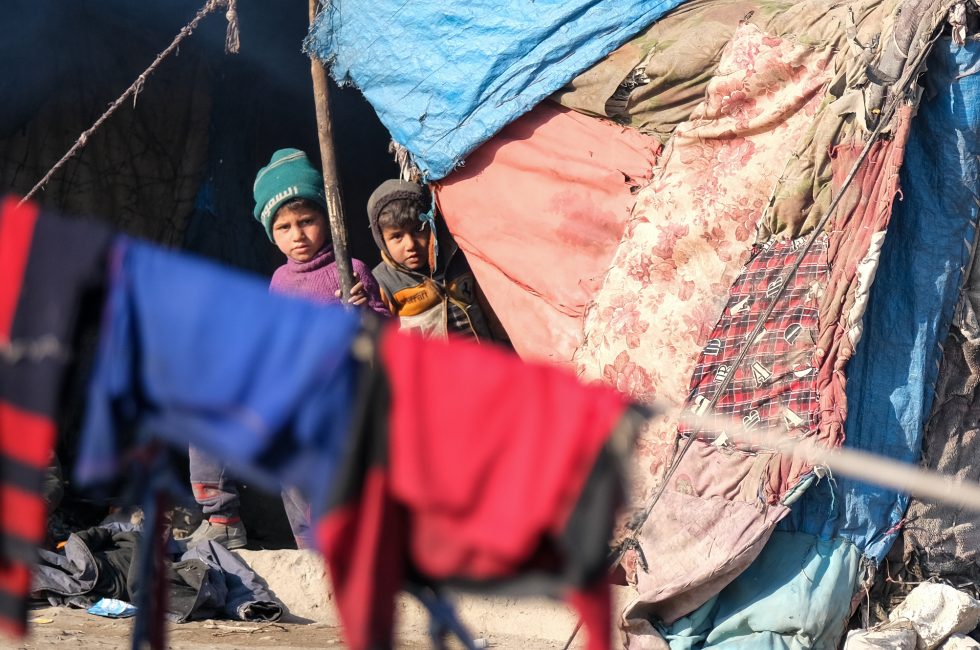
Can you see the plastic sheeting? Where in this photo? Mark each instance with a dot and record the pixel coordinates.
(946, 533)
(893, 374)
(942, 541)
(539, 236)
(446, 77)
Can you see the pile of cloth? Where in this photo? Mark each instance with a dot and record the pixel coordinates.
(203, 581)
(426, 463)
(762, 210)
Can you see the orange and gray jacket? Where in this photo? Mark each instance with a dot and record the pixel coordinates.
(444, 299)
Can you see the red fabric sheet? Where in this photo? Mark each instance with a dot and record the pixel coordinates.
(16, 232)
(471, 474)
(538, 211)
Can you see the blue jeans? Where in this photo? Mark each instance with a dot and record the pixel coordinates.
(217, 494)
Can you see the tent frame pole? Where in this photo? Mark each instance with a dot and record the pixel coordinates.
(331, 183)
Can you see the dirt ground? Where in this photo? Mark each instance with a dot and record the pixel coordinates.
(56, 627)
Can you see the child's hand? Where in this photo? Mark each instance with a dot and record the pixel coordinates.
(358, 296)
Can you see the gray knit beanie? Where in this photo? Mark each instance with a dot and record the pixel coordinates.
(393, 190)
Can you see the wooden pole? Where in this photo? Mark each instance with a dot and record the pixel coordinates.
(331, 185)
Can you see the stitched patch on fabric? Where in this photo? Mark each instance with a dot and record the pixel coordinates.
(774, 386)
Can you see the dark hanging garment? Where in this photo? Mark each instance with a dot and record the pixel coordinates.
(206, 581)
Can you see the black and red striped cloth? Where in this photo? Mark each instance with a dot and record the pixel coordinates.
(48, 267)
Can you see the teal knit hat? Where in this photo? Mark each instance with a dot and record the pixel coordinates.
(289, 175)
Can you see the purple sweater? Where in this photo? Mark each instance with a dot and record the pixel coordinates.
(317, 280)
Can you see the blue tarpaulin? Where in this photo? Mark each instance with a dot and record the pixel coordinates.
(892, 377)
(445, 77)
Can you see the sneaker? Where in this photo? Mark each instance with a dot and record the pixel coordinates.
(230, 536)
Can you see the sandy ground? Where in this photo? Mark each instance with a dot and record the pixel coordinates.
(299, 580)
(54, 627)
(74, 628)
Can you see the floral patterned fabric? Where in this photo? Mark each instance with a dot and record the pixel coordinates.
(655, 81)
(693, 227)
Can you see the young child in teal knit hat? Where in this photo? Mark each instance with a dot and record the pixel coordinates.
(290, 205)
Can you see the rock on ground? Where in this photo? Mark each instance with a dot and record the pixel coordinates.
(937, 611)
(892, 636)
(960, 642)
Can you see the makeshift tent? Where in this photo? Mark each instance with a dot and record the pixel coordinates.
(771, 246)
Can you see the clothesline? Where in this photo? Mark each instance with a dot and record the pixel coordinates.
(871, 468)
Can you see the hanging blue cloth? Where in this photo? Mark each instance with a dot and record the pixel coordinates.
(196, 354)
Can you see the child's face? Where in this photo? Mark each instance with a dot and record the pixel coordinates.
(409, 246)
(300, 232)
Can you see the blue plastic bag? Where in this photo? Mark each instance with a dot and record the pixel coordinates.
(112, 608)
